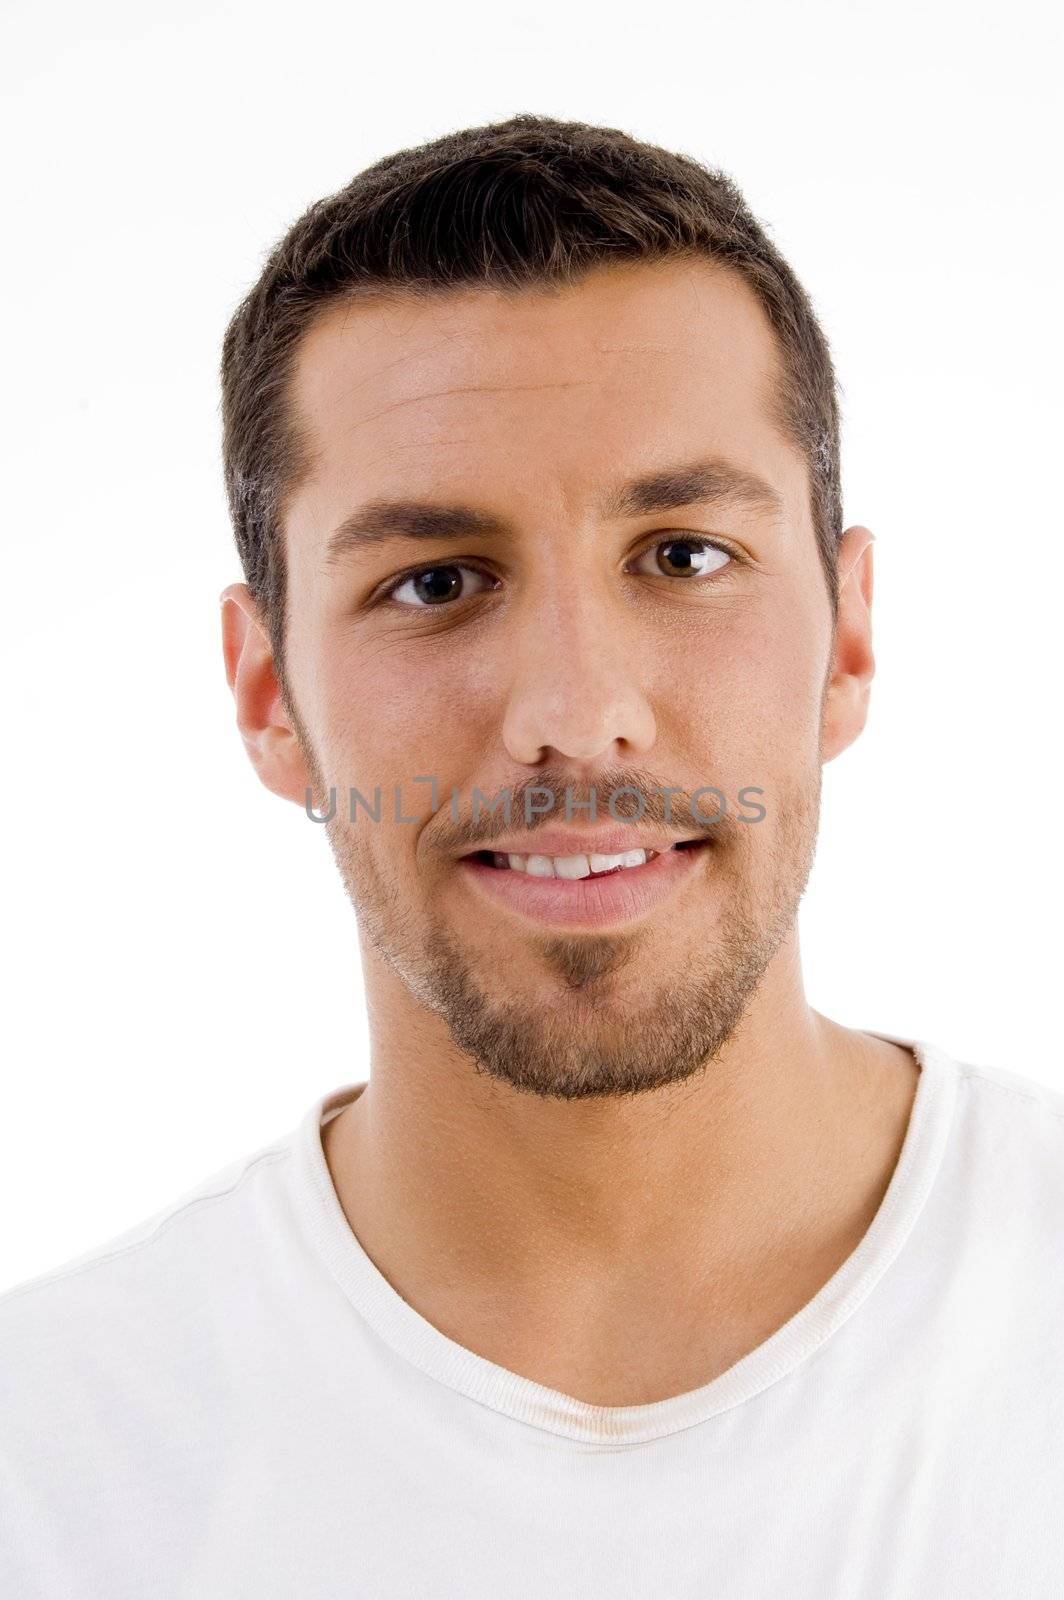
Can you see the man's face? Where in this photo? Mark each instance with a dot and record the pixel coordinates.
(587, 647)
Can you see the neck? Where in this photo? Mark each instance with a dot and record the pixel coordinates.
(483, 1205)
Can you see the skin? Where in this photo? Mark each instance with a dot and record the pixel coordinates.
(613, 1161)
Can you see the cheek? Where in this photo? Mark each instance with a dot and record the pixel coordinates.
(753, 685)
(393, 713)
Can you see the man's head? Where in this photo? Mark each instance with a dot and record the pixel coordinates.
(532, 453)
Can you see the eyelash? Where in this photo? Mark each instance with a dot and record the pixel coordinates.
(471, 566)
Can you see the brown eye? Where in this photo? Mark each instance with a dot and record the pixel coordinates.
(686, 558)
(434, 586)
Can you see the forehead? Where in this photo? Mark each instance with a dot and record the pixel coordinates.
(538, 391)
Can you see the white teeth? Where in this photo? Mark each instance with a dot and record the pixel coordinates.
(572, 866)
(627, 858)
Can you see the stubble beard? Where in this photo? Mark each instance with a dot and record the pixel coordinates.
(600, 1036)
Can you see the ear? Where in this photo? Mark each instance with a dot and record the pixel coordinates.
(844, 709)
(269, 738)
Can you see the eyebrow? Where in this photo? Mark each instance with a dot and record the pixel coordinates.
(710, 482)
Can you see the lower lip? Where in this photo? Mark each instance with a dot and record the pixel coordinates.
(615, 897)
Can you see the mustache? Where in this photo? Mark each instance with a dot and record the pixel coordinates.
(620, 795)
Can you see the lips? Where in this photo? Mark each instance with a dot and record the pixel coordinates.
(594, 901)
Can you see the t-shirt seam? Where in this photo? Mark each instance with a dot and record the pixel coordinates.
(60, 1274)
(1017, 1094)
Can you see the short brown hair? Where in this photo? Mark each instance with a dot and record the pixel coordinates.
(515, 204)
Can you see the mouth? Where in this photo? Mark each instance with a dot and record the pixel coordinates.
(577, 868)
(589, 891)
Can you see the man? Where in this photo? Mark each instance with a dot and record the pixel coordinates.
(626, 1272)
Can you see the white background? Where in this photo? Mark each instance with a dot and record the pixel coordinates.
(181, 962)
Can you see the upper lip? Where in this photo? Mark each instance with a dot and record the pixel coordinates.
(582, 844)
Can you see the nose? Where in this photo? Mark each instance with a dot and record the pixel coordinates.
(576, 688)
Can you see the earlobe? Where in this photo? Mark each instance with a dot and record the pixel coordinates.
(269, 738)
(849, 684)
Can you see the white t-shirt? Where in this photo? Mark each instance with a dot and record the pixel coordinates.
(230, 1402)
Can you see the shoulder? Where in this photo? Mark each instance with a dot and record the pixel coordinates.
(1012, 1099)
(1009, 1128)
(142, 1272)
(117, 1368)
